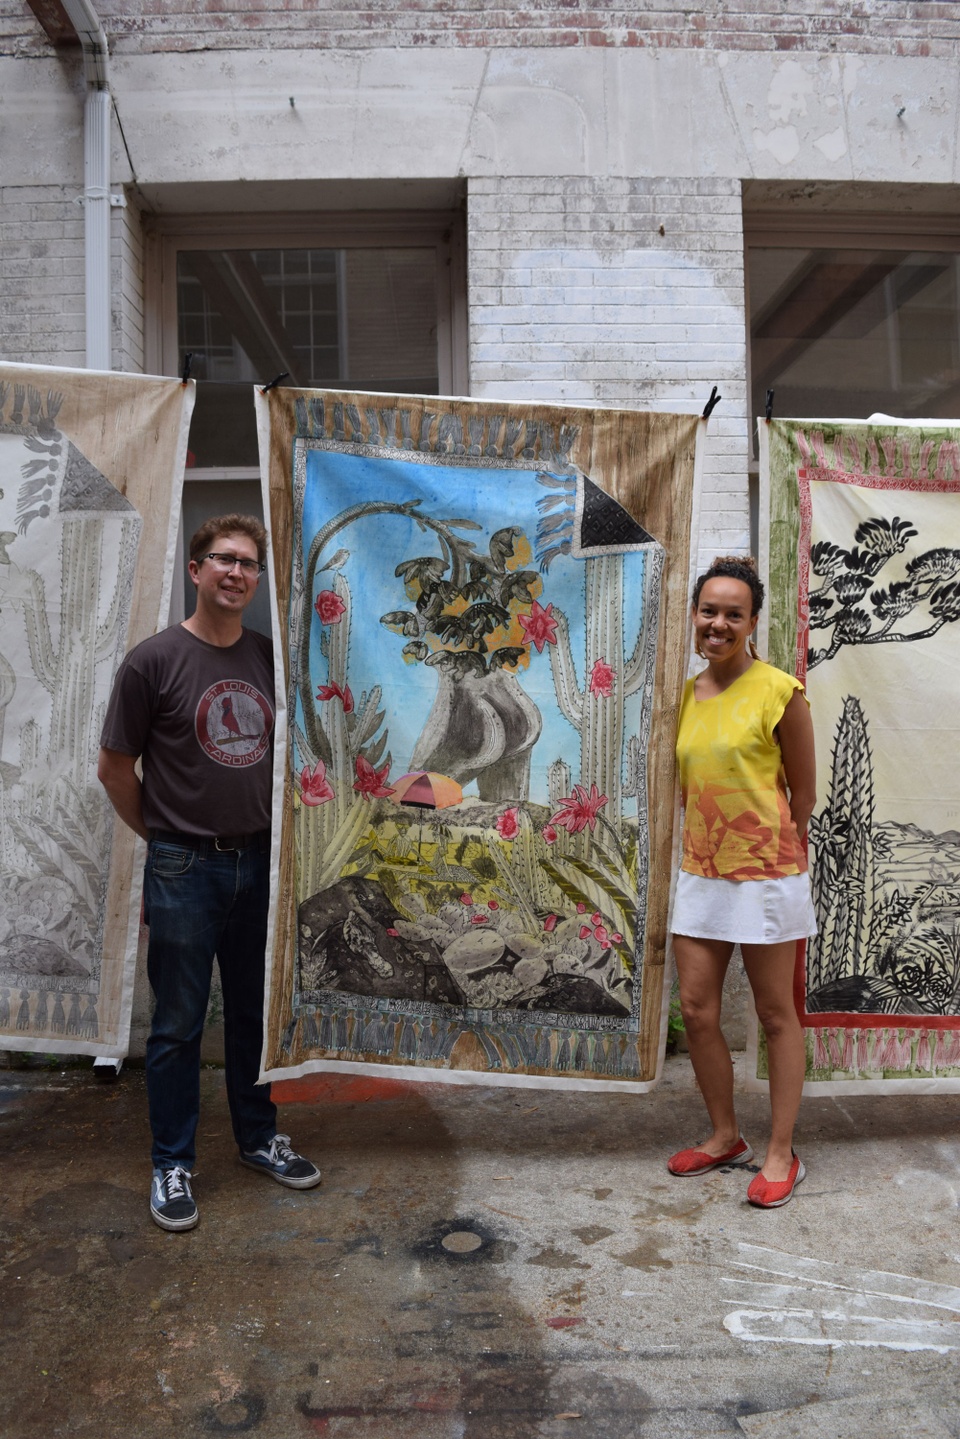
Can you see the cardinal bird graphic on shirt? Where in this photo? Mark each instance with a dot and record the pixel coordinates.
(231, 723)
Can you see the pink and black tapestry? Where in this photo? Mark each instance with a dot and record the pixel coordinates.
(864, 563)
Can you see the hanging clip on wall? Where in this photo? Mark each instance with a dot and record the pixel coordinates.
(187, 362)
(274, 383)
(712, 403)
(768, 407)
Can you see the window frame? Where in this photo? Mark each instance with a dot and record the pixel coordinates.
(439, 230)
(835, 230)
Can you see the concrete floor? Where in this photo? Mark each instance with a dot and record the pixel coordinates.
(586, 1293)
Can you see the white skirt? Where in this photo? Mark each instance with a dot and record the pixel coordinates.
(744, 911)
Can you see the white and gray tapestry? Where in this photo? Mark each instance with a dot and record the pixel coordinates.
(90, 468)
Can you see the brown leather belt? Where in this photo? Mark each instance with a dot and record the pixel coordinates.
(222, 843)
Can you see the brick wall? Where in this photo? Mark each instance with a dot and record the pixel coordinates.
(42, 319)
(575, 296)
(41, 276)
(904, 27)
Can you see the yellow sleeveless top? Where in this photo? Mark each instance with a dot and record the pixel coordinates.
(737, 822)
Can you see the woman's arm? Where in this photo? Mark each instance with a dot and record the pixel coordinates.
(795, 734)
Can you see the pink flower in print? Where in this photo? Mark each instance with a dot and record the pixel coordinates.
(579, 809)
(394, 933)
(508, 825)
(371, 783)
(601, 679)
(617, 938)
(550, 923)
(549, 834)
(315, 788)
(466, 899)
(539, 627)
(329, 607)
(585, 931)
(478, 919)
(333, 691)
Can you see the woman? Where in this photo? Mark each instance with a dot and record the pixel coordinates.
(747, 776)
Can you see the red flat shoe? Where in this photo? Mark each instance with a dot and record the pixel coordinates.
(689, 1162)
(770, 1194)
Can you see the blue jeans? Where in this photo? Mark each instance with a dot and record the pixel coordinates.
(201, 903)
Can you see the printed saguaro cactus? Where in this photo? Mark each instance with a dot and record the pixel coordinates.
(64, 665)
(613, 669)
(340, 770)
(844, 861)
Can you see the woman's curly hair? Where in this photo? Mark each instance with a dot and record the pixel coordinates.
(734, 567)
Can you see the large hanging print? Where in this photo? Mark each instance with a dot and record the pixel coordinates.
(864, 564)
(90, 468)
(484, 656)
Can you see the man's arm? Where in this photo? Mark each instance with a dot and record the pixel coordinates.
(118, 775)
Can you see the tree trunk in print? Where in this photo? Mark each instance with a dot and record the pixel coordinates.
(481, 727)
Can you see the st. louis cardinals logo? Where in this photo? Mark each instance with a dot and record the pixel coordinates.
(233, 723)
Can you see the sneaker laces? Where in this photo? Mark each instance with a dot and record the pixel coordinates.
(176, 1183)
(280, 1150)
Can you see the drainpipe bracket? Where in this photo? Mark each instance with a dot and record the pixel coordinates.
(117, 202)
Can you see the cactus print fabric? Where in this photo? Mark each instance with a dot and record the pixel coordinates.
(90, 468)
(864, 562)
(471, 653)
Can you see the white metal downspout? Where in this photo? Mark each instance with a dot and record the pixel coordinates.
(96, 180)
(96, 226)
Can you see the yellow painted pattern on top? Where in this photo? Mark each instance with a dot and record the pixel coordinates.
(737, 822)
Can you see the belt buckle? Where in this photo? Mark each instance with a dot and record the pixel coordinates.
(225, 848)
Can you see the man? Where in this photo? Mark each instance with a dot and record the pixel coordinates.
(195, 704)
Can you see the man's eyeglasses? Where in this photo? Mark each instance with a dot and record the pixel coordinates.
(253, 568)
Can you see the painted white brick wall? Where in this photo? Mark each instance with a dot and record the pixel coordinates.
(576, 297)
(42, 319)
(41, 276)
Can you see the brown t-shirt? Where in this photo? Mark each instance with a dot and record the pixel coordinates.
(201, 718)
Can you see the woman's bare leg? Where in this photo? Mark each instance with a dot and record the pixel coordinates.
(701, 966)
(770, 970)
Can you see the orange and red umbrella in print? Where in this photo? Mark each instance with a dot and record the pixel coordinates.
(423, 789)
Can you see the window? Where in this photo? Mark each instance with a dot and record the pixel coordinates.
(850, 316)
(371, 301)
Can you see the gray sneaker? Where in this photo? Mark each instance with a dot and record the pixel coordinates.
(172, 1205)
(284, 1164)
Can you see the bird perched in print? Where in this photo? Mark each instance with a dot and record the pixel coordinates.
(336, 563)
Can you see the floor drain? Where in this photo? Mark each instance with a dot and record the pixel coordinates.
(461, 1241)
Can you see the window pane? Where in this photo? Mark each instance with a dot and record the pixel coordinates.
(363, 319)
(847, 333)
